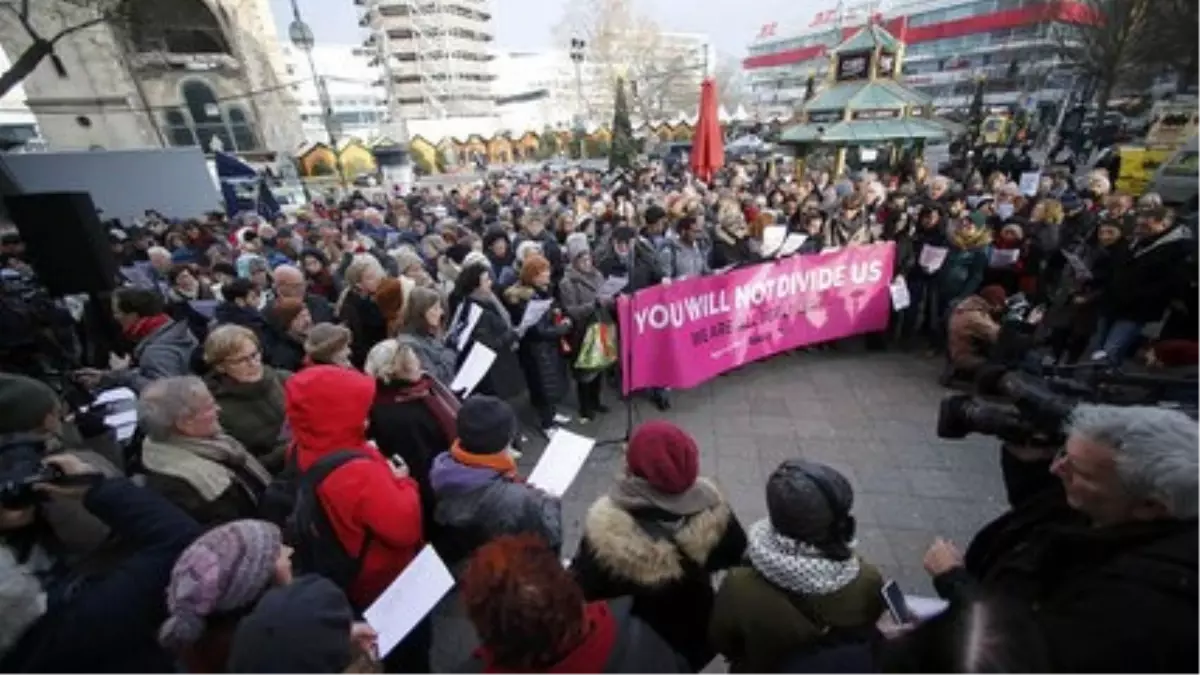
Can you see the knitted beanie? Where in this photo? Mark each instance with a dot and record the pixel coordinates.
(577, 245)
(303, 627)
(486, 425)
(226, 569)
(24, 403)
(801, 509)
(663, 455)
(534, 265)
(325, 340)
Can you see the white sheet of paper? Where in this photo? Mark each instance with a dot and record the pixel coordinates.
(473, 315)
(773, 238)
(534, 312)
(561, 461)
(418, 589)
(1005, 257)
(124, 423)
(900, 296)
(792, 244)
(114, 395)
(477, 364)
(925, 607)
(612, 286)
(932, 258)
(1029, 182)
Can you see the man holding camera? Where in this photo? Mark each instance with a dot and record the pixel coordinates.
(1100, 545)
(62, 609)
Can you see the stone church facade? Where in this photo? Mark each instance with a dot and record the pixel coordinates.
(169, 73)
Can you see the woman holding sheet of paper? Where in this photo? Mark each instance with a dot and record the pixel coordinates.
(473, 295)
(542, 342)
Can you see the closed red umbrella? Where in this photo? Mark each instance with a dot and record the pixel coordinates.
(708, 147)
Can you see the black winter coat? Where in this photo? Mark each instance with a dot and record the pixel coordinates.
(618, 555)
(108, 622)
(539, 352)
(1108, 599)
(1153, 274)
(504, 379)
(645, 272)
(361, 315)
(284, 352)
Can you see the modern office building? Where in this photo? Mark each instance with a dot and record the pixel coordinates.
(437, 52)
(353, 79)
(951, 44)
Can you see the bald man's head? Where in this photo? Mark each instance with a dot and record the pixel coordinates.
(290, 282)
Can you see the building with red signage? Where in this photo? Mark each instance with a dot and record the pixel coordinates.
(1013, 44)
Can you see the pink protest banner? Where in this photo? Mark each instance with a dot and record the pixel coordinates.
(682, 334)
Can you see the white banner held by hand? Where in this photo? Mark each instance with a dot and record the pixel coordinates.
(561, 461)
(414, 594)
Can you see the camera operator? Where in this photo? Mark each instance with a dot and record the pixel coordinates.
(1100, 543)
(32, 425)
(59, 617)
(972, 332)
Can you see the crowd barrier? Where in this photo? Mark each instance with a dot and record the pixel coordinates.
(682, 334)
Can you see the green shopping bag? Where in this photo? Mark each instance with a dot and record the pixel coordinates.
(598, 350)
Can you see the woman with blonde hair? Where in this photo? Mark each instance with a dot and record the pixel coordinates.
(248, 393)
(413, 416)
(356, 308)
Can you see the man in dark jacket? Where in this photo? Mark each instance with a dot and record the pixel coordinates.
(1105, 556)
(106, 621)
(1156, 273)
(290, 283)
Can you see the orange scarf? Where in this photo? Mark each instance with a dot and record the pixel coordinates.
(500, 462)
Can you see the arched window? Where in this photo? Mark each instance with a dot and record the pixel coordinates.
(206, 116)
(175, 26)
(179, 131)
(241, 128)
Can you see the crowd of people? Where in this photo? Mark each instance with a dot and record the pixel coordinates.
(298, 444)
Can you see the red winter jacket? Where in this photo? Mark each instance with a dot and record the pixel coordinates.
(327, 408)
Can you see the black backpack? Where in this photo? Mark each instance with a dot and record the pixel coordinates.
(316, 544)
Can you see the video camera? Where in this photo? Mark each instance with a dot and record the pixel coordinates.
(1039, 405)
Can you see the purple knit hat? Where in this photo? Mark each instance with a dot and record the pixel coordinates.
(228, 568)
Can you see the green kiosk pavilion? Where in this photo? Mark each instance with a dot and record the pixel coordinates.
(864, 105)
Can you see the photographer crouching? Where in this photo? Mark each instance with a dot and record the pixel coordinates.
(1100, 543)
(68, 606)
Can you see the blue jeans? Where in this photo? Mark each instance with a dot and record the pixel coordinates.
(1117, 338)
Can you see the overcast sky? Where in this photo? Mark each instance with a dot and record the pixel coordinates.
(527, 24)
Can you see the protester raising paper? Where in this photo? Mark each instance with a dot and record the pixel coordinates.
(418, 589)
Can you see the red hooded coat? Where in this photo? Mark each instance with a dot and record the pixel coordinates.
(327, 408)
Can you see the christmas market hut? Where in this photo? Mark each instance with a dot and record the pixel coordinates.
(865, 108)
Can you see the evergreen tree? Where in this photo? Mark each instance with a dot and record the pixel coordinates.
(623, 149)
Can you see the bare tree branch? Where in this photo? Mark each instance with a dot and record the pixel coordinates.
(69, 30)
(22, 16)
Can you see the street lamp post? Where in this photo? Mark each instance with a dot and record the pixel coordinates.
(578, 47)
(302, 38)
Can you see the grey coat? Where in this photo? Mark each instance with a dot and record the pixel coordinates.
(437, 359)
(167, 352)
(475, 505)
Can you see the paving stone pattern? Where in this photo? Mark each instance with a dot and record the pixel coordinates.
(869, 415)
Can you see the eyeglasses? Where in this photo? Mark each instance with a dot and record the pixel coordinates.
(252, 357)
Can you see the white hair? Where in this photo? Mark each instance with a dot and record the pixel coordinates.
(163, 402)
(158, 252)
(392, 360)
(1154, 450)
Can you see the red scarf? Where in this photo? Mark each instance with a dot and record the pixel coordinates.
(141, 328)
(589, 656)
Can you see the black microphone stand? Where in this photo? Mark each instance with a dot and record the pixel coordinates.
(626, 368)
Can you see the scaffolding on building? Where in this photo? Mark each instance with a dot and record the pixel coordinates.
(434, 55)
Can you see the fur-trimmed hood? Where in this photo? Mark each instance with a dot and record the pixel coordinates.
(623, 548)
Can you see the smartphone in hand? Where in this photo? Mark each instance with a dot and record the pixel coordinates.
(897, 606)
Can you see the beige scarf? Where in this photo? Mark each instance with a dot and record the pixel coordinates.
(210, 465)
